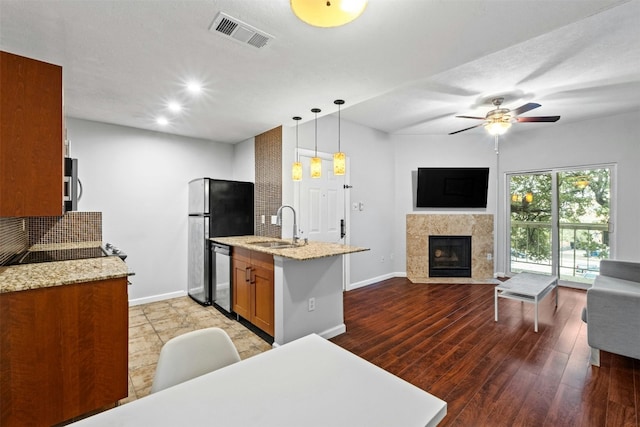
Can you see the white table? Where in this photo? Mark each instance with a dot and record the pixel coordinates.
(527, 287)
(308, 382)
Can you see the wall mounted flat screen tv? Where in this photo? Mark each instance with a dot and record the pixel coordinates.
(452, 187)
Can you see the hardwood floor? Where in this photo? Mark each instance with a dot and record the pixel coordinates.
(443, 339)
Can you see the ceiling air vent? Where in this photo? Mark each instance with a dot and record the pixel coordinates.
(239, 31)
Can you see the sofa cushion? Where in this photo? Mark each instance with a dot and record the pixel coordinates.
(606, 282)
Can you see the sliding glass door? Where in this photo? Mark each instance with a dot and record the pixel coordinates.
(559, 222)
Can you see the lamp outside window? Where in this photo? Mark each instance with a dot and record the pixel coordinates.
(328, 13)
(339, 159)
(316, 162)
(296, 169)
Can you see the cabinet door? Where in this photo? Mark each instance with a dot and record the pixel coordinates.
(262, 313)
(31, 159)
(241, 282)
(64, 351)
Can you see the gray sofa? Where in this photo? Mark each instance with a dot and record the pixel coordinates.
(613, 310)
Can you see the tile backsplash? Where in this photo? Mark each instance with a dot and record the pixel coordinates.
(268, 185)
(20, 234)
(72, 227)
(14, 237)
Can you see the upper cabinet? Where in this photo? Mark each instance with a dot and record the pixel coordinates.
(31, 137)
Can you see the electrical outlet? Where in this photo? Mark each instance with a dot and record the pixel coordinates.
(262, 219)
(355, 206)
(312, 304)
(274, 219)
(489, 256)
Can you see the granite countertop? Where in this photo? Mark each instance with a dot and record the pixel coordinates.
(312, 250)
(47, 274)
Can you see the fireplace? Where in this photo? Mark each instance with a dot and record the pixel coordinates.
(449, 256)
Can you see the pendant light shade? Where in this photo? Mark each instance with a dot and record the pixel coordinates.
(339, 163)
(316, 162)
(327, 13)
(339, 158)
(296, 169)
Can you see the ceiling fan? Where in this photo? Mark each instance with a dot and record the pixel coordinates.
(498, 120)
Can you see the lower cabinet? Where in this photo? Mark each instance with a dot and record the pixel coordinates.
(63, 351)
(253, 287)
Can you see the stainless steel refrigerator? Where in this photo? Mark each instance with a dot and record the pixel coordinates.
(217, 208)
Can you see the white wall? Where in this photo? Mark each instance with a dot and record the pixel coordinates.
(138, 180)
(607, 140)
(414, 151)
(244, 161)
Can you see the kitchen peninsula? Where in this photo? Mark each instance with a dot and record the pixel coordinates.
(307, 284)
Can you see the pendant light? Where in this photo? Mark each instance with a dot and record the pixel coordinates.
(316, 162)
(296, 169)
(339, 159)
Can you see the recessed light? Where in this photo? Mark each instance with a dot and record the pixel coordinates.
(194, 87)
(174, 106)
(162, 121)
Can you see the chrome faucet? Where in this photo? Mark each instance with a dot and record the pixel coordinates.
(295, 225)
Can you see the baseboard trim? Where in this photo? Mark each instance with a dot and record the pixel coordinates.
(156, 298)
(373, 280)
(333, 332)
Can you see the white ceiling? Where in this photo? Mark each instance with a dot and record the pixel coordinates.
(403, 67)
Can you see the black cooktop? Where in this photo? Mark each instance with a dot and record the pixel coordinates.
(32, 257)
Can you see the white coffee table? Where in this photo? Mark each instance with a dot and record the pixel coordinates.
(527, 287)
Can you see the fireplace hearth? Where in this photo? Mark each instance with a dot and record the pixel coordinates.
(449, 256)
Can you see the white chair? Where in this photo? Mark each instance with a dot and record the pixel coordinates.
(193, 354)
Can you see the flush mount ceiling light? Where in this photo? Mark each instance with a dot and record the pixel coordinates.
(328, 13)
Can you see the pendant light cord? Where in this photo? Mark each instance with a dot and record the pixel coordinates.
(316, 111)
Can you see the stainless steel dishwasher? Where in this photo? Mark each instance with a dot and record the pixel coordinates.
(222, 288)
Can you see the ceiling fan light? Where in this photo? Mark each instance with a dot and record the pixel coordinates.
(322, 13)
(497, 127)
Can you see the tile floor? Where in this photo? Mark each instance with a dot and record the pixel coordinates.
(153, 324)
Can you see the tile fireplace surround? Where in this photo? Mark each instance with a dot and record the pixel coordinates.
(479, 227)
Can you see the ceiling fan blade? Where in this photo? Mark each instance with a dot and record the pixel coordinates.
(538, 119)
(524, 108)
(462, 130)
(471, 117)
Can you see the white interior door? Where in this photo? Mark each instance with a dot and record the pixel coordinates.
(320, 203)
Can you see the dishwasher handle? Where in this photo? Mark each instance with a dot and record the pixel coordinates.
(221, 249)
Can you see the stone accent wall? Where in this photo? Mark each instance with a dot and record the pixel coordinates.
(478, 226)
(268, 185)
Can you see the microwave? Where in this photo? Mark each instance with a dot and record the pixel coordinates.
(72, 185)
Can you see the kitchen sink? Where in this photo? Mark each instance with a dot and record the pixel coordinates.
(278, 244)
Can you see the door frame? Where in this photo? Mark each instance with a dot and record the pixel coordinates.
(346, 214)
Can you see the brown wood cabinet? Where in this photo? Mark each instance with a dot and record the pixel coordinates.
(253, 287)
(63, 351)
(31, 137)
